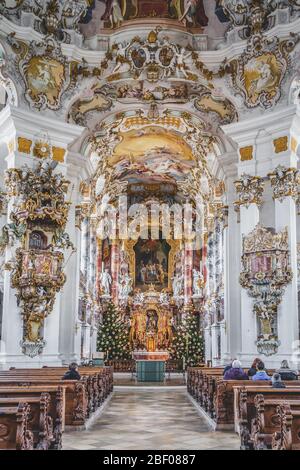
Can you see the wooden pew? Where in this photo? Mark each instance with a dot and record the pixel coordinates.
(75, 392)
(288, 435)
(40, 421)
(15, 434)
(266, 421)
(82, 397)
(248, 409)
(56, 409)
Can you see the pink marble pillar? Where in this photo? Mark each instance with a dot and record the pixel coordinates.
(204, 256)
(188, 274)
(115, 261)
(98, 265)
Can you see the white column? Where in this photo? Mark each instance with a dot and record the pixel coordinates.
(249, 218)
(215, 338)
(207, 343)
(288, 322)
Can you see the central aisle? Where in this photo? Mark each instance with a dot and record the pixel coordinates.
(156, 418)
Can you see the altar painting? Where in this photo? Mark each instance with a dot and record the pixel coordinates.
(151, 263)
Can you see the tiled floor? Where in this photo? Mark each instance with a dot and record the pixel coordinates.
(155, 418)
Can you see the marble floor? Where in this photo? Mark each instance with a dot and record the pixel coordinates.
(153, 418)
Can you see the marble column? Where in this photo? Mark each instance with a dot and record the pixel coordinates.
(188, 263)
(115, 269)
(249, 218)
(285, 193)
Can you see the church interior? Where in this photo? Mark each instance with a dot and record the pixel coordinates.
(149, 225)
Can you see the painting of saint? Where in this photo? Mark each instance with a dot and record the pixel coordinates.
(151, 260)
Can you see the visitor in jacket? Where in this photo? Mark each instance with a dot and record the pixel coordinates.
(229, 366)
(277, 382)
(253, 369)
(72, 373)
(235, 372)
(286, 373)
(261, 373)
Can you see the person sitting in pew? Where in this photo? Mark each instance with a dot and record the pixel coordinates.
(229, 366)
(235, 372)
(261, 373)
(286, 373)
(253, 369)
(277, 382)
(72, 373)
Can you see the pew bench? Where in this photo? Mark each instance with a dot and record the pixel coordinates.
(46, 430)
(255, 408)
(288, 435)
(14, 431)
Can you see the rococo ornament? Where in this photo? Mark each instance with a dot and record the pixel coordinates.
(45, 71)
(265, 273)
(258, 73)
(252, 16)
(56, 17)
(250, 190)
(285, 182)
(38, 222)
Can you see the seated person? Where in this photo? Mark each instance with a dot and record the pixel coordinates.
(286, 373)
(226, 368)
(72, 373)
(235, 372)
(277, 382)
(261, 373)
(253, 369)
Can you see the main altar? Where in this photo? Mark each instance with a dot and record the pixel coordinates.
(150, 366)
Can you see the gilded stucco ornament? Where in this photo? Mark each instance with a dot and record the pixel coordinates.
(99, 97)
(38, 219)
(250, 16)
(258, 73)
(265, 273)
(285, 182)
(249, 190)
(45, 71)
(59, 18)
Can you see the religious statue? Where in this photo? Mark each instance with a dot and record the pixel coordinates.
(106, 280)
(197, 282)
(121, 59)
(125, 285)
(194, 13)
(112, 13)
(177, 284)
(181, 66)
(35, 321)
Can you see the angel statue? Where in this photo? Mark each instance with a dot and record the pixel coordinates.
(197, 282)
(112, 13)
(105, 280)
(125, 285)
(181, 65)
(177, 284)
(9, 234)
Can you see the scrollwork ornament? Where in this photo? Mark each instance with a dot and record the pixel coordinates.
(285, 182)
(250, 190)
(259, 72)
(44, 70)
